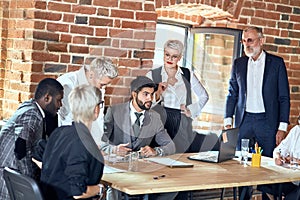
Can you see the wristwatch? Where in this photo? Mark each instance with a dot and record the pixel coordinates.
(100, 189)
(159, 151)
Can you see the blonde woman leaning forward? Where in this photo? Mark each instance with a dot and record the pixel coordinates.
(72, 162)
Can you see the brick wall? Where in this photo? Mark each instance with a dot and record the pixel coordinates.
(48, 38)
(279, 20)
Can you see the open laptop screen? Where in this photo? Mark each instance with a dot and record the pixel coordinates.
(223, 149)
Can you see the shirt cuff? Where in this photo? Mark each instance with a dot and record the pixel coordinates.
(283, 126)
(194, 109)
(227, 121)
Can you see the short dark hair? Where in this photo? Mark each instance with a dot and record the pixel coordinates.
(150, 85)
(140, 82)
(48, 85)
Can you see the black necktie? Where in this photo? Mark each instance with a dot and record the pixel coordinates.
(137, 124)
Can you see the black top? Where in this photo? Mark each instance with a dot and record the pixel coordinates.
(71, 162)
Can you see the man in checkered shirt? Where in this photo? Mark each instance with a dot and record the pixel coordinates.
(25, 128)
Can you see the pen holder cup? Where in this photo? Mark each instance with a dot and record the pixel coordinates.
(256, 160)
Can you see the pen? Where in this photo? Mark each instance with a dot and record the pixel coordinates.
(256, 148)
(261, 151)
(158, 177)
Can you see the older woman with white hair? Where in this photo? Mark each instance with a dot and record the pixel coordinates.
(175, 87)
(72, 162)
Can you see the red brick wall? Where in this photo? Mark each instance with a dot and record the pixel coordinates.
(280, 20)
(48, 38)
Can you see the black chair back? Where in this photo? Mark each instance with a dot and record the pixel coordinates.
(21, 187)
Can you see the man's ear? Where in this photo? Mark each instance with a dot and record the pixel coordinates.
(47, 98)
(134, 94)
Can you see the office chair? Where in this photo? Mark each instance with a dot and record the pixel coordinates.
(21, 187)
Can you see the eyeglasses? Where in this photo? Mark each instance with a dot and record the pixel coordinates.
(173, 57)
(100, 104)
(249, 40)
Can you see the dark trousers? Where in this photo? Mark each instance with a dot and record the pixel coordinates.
(255, 127)
(289, 190)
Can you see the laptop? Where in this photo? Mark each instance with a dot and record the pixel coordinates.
(224, 148)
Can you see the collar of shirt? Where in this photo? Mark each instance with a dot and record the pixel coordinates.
(81, 77)
(164, 74)
(41, 110)
(261, 57)
(132, 110)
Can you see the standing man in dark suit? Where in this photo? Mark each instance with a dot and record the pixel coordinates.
(259, 94)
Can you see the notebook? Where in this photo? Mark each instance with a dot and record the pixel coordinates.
(223, 150)
(169, 162)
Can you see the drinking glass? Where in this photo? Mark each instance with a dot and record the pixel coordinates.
(133, 161)
(244, 150)
(112, 157)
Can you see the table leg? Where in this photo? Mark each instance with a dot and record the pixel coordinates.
(222, 193)
(234, 193)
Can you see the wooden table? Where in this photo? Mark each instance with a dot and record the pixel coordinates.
(202, 176)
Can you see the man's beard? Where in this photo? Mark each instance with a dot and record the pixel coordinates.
(252, 52)
(51, 109)
(142, 105)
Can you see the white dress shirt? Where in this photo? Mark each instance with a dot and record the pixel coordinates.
(133, 116)
(255, 73)
(174, 95)
(290, 144)
(69, 81)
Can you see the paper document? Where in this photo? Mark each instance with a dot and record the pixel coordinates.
(111, 170)
(170, 162)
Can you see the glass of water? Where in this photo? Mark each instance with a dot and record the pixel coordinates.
(133, 161)
(244, 151)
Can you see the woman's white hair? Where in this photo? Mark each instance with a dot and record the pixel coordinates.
(83, 100)
(174, 44)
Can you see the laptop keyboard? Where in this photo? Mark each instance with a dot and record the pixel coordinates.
(207, 156)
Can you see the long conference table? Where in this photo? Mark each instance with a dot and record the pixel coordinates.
(156, 178)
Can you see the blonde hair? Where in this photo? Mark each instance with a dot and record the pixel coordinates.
(174, 44)
(82, 100)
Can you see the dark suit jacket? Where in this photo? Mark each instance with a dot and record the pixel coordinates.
(118, 129)
(275, 91)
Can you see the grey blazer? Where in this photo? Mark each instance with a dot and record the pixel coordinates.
(118, 130)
